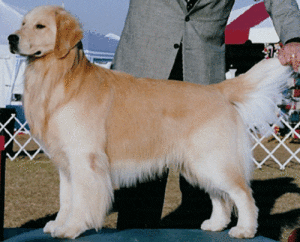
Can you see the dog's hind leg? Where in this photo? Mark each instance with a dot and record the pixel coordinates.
(220, 216)
(219, 173)
(91, 194)
(240, 193)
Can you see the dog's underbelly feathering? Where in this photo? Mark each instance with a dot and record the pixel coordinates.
(105, 129)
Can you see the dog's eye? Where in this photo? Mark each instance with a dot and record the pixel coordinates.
(40, 26)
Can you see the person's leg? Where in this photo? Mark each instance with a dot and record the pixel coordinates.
(141, 206)
(193, 198)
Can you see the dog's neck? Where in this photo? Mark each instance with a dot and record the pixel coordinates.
(48, 80)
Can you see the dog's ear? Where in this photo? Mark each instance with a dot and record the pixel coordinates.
(68, 34)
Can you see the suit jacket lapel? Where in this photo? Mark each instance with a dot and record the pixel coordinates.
(182, 4)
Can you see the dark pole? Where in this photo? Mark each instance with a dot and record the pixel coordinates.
(2, 185)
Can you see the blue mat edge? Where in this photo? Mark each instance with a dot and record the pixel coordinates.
(22, 234)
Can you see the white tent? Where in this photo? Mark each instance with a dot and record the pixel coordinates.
(11, 66)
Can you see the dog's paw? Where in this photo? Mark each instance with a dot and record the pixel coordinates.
(50, 227)
(242, 233)
(70, 231)
(210, 225)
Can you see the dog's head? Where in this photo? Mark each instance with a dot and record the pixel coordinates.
(44, 30)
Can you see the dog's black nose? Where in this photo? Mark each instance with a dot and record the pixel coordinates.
(13, 39)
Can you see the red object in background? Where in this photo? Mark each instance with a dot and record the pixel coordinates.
(296, 92)
(295, 236)
(2, 143)
(2, 184)
(276, 129)
(296, 135)
(237, 32)
(291, 105)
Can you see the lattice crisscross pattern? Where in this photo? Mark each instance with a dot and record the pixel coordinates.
(12, 138)
(282, 142)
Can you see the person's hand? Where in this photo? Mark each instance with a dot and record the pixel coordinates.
(289, 54)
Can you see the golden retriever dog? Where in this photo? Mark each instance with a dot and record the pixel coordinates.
(105, 129)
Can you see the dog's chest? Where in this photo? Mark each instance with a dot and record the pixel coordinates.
(42, 95)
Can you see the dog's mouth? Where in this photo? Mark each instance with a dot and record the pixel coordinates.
(35, 54)
(12, 50)
(15, 50)
(14, 41)
(38, 53)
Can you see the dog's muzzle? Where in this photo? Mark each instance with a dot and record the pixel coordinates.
(13, 40)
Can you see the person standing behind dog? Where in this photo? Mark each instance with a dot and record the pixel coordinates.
(184, 40)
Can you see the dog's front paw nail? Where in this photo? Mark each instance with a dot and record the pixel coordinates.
(242, 233)
(209, 225)
(68, 231)
(50, 227)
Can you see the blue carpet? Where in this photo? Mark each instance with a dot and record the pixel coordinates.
(132, 235)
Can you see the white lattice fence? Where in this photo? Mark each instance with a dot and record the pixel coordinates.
(20, 148)
(283, 144)
(260, 142)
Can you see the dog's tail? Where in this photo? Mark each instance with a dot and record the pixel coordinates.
(256, 93)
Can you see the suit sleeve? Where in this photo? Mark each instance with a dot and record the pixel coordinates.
(286, 18)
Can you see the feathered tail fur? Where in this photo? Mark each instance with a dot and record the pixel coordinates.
(256, 93)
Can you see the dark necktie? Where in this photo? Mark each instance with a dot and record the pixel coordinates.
(190, 4)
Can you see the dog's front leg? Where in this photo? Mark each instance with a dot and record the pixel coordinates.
(65, 203)
(91, 194)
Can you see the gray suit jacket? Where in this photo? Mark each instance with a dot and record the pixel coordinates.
(154, 29)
